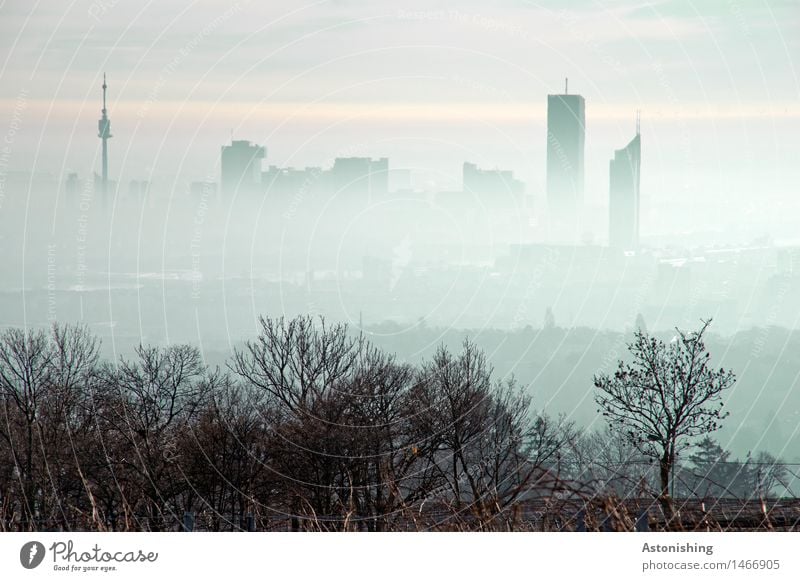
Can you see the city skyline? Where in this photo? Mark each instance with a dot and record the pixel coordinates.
(719, 120)
(241, 173)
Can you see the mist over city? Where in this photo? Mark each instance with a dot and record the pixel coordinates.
(546, 183)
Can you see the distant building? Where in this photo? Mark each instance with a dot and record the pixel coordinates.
(101, 185)
(499, 185)
(566, 131)
(623, 202)
(359, 177)
(241, 168)
(288, 181)
(72, 186)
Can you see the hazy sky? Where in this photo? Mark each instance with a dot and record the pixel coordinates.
(431, 84)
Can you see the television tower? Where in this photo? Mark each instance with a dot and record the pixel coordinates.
(104, 133)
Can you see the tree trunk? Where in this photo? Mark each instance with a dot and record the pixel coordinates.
(665, 470)
(29, 486)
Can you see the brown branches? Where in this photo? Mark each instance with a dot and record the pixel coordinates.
(666, 396)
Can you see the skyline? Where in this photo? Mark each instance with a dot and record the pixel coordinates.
(428, 88)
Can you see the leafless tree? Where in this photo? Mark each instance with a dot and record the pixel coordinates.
(294, 361)
(43, 382)
(666, 396)
(490, 449)
(67, 424)
(226, 456)
(609, 464)
(148, 402)
(25, 368)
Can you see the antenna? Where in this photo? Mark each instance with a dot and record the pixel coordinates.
(566, 85)
(104, 92)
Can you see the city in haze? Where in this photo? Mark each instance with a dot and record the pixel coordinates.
(527, 187)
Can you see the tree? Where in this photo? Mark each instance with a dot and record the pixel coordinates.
(765, 473)
(43, 384)
(606, 463)
(147, 403)
(490, 448)
(293, 362)
(714, 474)
(302, 371)
(668, 395)
(67, 424)
(227, 458)
(25, 369)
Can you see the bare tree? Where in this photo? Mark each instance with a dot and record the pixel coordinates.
(227, 458)
(293, 361)
(766, 473)
(43, 382)
(66, 431)
(666, 396)
(148, 403)
(302, 367)
(25, 369)
(490, 449)
(608, 464)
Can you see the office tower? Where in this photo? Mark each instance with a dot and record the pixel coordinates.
(623, 201)
(566, 129)
(104, 133)
(241, 168)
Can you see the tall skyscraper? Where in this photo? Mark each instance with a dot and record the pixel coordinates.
(566, 131)
(623, 201)
(104, 133)
(241, 167)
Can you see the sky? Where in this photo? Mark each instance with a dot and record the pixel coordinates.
(429, 84)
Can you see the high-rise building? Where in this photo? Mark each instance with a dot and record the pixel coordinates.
(566, 131)
(241, 168)
(623, 200)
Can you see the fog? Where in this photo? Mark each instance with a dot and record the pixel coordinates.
(420, 249)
